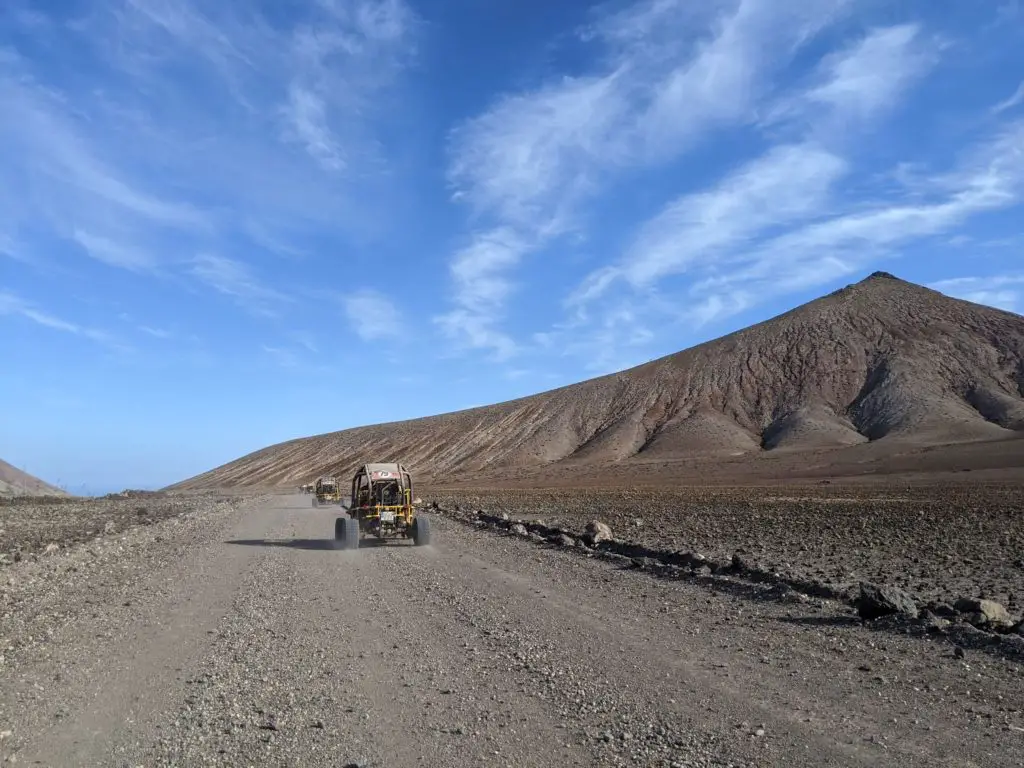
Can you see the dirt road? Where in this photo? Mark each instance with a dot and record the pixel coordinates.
(239, 636)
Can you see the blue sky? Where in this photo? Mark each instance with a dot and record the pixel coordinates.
(227, 224)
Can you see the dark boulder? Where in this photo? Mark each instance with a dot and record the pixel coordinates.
(876, 601)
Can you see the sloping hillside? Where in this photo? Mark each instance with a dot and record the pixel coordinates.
(14, 482)
(882, 361)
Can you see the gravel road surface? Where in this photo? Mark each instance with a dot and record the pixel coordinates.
(237, 635)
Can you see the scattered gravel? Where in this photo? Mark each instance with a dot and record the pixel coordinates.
(936, 544)
(34, 526)
(236, 634)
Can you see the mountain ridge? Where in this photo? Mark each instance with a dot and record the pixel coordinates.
(14, 482)
(877, 360)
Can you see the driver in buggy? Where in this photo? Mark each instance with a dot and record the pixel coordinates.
(389, 495)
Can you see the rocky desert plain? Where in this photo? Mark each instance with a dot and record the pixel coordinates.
(798, 545)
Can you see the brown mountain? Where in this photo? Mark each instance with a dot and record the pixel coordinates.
(883, 366)
(14, 482)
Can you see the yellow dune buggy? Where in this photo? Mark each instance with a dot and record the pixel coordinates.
(326, 490)
(381, 506)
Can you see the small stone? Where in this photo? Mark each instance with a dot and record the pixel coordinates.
(519, 530)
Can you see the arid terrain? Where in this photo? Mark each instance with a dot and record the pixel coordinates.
(798, 545)
(228, 630)
(881, 372)
(937, 543)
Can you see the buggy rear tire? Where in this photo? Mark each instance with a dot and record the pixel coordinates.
(346, 532)
(421, 531)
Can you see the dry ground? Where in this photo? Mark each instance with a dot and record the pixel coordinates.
(233, 633)
(28, 525)
(939, 542)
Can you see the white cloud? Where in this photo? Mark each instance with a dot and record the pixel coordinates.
(306, 113)
(660, 88)
(871, 75)
(529, 161)
(784, 222)
(114, 253)
(207, 127)
(156, 333)
(235, 279)
(52, 175)
(789, 184)
(1001, 291)
(479, 272)
(373, 315)
(990, 178)
(1015, 100)
(10, 304)
(780, 218)
(10, 248)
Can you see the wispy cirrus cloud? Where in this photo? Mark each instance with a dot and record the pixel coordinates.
(529, 162)
(236, 279)
(783, 222)
(1013, 101)
(1002, 291)
(852, 86)
(789, 185)
(115, 253)
(373, 315)
(206, 127)
(844, 238)
(11, 304)
(156, 333)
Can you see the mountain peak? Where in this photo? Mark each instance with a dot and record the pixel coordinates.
(880, 275)
(916, 369)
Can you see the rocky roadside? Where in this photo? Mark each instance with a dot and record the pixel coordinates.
(929, 542)
(66, 559)
(965, 621)
(31, 527)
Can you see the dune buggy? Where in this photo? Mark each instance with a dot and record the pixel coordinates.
(326, 490)
(382, 506)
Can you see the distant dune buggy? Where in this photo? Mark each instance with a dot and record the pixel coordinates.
(327, 490)
(382, 506)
